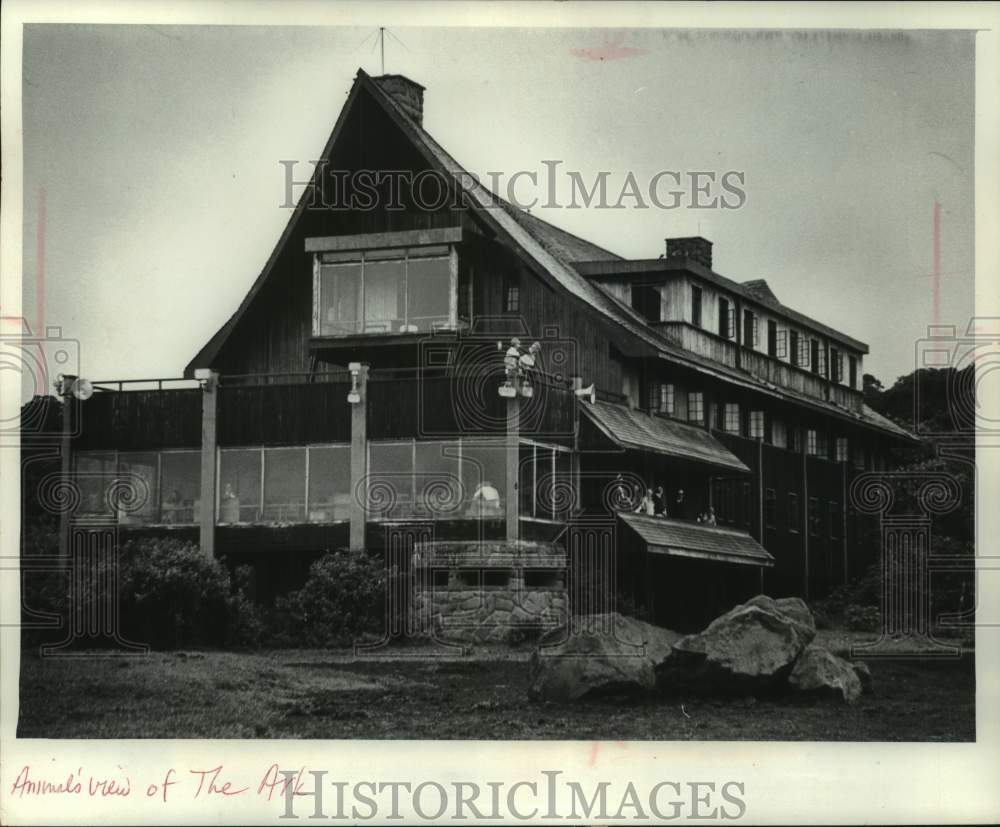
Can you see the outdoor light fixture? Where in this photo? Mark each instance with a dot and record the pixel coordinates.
(354, 397)
(526, 390)
(75, 386)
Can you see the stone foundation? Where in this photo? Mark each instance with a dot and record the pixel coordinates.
(489, 592)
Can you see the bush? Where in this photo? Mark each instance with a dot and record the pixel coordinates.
(169, 595)
(862, 618)
(342, 600)
(172, 595)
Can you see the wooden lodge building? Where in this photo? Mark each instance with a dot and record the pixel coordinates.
(353, 398)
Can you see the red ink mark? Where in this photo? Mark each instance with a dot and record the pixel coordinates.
(274, 782)
(594, 747)
(214, 788)
(936, 286)
(610, 49)
(24, 785)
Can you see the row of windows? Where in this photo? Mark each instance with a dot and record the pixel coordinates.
(734, 506)
(729, 418)
(800, 351)
(406, 479)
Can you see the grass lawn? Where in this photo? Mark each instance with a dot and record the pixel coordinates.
(317, 694)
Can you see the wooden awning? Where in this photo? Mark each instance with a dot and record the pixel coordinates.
(629, 428)
(677, 538)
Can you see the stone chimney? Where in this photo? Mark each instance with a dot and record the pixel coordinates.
(406, 93)
(694, 247)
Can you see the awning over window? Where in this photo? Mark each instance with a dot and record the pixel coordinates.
(629, 428)
(681, 539)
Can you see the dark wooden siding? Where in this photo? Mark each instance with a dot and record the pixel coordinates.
(146, 419)
(284, 414)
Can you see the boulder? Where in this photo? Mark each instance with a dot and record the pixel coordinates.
(752, 647)
(598, 655)
(865, 676)
(793, 607)
(820, 672)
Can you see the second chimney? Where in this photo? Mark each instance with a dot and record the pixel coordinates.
(408, 94)
(693, 247)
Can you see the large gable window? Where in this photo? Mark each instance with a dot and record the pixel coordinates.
(400, 290)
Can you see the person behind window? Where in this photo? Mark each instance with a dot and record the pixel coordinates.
(646, 504)
(621, 495)
(659, 502)
(171, 506)
(229, 510)
(708, 517)
(680, 505)
(486, 499)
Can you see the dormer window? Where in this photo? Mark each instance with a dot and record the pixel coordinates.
(646, 300)
(695, 305)
(511, 294)
(383, 290)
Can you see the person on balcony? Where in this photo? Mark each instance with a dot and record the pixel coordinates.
(646, 505)
(659, 502)
(680, 508)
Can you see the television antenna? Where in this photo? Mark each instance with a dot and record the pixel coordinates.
(378, 39)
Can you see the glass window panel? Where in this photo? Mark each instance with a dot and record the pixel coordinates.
(285, 485)
(437, 483)
(484, 479)
(180, 484)
(544, 480)
(94, 472)
(428, 292)
(384, 296)
(140, 470)
(526, 480)
(239, 485)
(329, 484)
(340, 299)
(390, 486)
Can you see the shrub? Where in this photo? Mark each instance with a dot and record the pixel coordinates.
(862, 618)
(342, 599)
(172, 594)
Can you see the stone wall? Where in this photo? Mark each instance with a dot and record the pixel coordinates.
(489, 592)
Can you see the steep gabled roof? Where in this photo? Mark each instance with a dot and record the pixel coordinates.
(761, 289)
(555, 254)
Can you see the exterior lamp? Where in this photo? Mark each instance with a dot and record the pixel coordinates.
(354, 397)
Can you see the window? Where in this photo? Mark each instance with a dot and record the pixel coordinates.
(661, 398)
(782, 344)
(727, 320)
(812, 442)
(779, 433)
(437, 488)
(329, 483)
(814, 355)
(793, 347)
(770, 508)
(833, 510)
(484, 479)
(545, 482)
(695, 305)
(836, 367)
(140, 472)
(646, 300)
(805, 351)
(814, 525)
(696, 407)
(284, 485)
(390, 480)
(95, 471)
(772, 338)
(749, 328)
(731, 421)
(745, 504)
(180, 487)
(859, 455)
(239, 485)
(383, 291)
(794, 515)
(841, 449)
(511, 294)
(756, 424)
(852, 366)
(797, 440)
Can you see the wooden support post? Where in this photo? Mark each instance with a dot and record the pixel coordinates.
(209, 440)
(513, 464)
(359, 459)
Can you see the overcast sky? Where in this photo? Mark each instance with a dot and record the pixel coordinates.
(158, 150)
